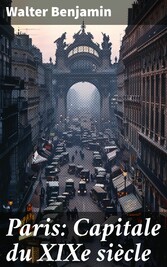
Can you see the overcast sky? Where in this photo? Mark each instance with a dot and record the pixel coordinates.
(43, 36)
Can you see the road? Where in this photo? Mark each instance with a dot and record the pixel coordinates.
(87, 209)
(83, 203)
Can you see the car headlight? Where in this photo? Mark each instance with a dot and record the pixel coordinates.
(78, 191)
(84, 191)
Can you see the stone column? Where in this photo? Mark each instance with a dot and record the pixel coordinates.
(105, 105)
(61, 106)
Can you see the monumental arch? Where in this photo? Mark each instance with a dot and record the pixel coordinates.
(83, 61)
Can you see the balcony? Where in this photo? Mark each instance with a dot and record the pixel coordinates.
(23, 60)
(6, 29)
(9, 110)
(118, 113)
(154, 180)
(24, 131)
(8, 144)
(23, 105)
(156, 143)
(133, 98)
(50, 111)
(10, 83)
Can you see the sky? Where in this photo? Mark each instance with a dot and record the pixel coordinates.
(43, 36)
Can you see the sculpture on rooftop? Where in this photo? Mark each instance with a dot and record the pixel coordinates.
(60, 41)
(106, 44)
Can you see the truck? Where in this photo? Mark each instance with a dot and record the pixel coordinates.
(97, 161)
(69, 187)
(52, 187)
(98, 194)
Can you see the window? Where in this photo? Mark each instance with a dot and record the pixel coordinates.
(162, 123)
(163, 88)
(152, 88)
(156, 119)
(157, 88)
(83, 49)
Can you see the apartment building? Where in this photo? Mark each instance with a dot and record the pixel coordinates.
(144, 55)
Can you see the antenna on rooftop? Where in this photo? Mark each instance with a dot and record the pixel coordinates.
(83, 26)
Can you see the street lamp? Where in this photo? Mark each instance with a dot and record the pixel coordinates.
(10, 203)
(125, 177)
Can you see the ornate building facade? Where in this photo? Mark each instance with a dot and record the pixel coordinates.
(12, 134)
(24, 65)
(84, 61)
(144, 54)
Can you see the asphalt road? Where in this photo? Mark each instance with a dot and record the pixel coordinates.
(83, 203)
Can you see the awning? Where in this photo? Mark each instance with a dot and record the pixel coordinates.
(46, 152)
(108, 148)
(112, 155)
(111, 220)
(130, 203)
(119, 183)
(38, 158)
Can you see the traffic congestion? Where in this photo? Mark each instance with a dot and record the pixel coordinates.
(78, 175)
(82, 183)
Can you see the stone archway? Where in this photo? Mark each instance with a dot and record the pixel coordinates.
(83, 61)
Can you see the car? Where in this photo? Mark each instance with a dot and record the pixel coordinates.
(71, 168)
(85, 175)
(110, 210)
(70, 188)
(82, 188)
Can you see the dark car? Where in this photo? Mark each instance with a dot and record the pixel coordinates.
(82, 188)
(69, 187)
(110, 210)
(71, 168)
(85, 175)
(78, 170)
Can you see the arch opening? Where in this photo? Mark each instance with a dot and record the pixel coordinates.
(83, 105)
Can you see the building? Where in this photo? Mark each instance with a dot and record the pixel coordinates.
(119, 111)
(11, 133)
(36, 107)
(46, 94)
(145, 101)
(24, 65)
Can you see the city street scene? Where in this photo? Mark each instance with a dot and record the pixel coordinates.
(83, 142)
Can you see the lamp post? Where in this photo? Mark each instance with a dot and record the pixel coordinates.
(125, 177)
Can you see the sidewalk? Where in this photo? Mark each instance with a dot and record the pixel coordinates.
(34, 198)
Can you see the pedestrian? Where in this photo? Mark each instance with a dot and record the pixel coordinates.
(72, 215)
(73, 241)
(66, 232)
(74, 191)
(41, 199)
(76, 152)
(91, 177)
(65, 249)
(68, 214)
(83, 156)
(82, 249)
(73, 158)
(76, 213)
